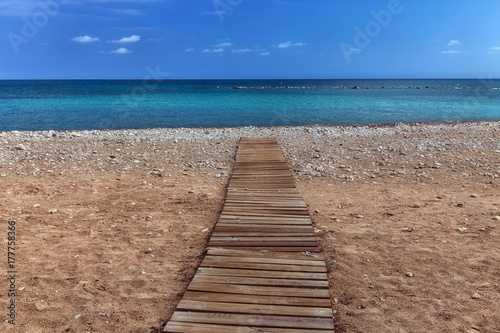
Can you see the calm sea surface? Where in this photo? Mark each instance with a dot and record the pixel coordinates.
(129, 104)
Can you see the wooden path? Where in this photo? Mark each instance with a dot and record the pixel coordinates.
(263, 271)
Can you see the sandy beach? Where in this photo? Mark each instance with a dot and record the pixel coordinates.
(111, 225)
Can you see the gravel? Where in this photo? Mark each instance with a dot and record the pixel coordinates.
(397, 150)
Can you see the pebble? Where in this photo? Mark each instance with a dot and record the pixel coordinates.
(475, 296)
(36, 205)
(41, 305)
(417, 206)
(462, 229)
(473, 195)
(409, 274)
(496, 218)
(52, 211)
(148, 250)
(78, 316)
(21, 147)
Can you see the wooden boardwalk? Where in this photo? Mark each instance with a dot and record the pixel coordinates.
(263, 271)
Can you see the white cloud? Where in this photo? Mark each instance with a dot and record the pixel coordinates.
(85, 39)
(285, 45)
(495, 48)
(219, 50)
(454, 42)
(264, 53)
(242, 50)
(288, 44)
(130, 12)
(225, 44)
(128, 1)
(122, 50)
(451, 52)
(189, 50)
(131, 39)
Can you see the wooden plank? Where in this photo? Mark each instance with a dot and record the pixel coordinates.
(299, 238)
(236, 280)
(255, 233)
(223, 221)
(255, 309)
(263, 254)
(267, 260)
(181, 327)
(266, 321)
(275, 249)
(256, 299)
(279, 290)
(230, 272)
(262, 244)
(265, 267)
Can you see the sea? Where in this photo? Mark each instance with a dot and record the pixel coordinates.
(38, 105)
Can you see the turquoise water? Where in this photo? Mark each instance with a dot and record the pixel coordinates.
(129, 104)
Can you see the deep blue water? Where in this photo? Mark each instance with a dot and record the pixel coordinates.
(129, 104)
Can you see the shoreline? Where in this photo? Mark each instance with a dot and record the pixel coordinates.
(329, 126)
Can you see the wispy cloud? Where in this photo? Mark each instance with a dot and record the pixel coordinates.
(264, 53)
(242, 50)
(451, 52)
(126, 1)
(122, 50)
(495, 48)
(85, 39)
(454, 42)
(225, 44)
(219, 50)
(288, 44)
(131, 39)
(189, 50)
(129, 12)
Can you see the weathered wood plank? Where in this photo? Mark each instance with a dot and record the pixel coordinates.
(255, 309)
(180, 327)
(236, 280)
(254, 320)
(256, 299)
(230, 272)
(264, 254)
(279, 290)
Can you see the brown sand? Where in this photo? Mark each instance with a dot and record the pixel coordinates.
(135, 208)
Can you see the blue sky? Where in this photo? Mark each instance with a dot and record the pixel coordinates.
(189, 39)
